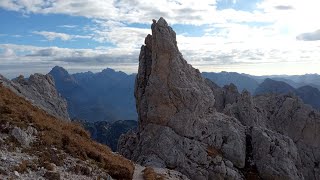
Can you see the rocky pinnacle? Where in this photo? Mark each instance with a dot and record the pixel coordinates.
(189, 124)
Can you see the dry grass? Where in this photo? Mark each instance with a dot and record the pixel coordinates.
(213, 152)
(49, 166)
(62, 135)
(149, 174)
(22, 167)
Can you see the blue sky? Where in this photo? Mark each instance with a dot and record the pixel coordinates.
(249, 36)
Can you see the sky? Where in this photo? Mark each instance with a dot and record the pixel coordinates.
(259, 37)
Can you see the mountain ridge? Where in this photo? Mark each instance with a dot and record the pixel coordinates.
(41, 91)
(310, 95)
(102, 96)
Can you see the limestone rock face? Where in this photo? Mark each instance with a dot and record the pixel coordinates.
(178, 124)
(191, 125)
(166, 84)
(290, 117)
(275, 155)
(40, 90)
(246, 111)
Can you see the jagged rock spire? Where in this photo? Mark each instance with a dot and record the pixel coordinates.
(264, 137)
(166, 84)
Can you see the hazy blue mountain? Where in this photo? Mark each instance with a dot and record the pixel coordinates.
(273, 87)
(65, 83)
(108, 95)
(242, 81)
(109, 132)
(103, 96)
(295, 81)
(310, 95)
(307, 78)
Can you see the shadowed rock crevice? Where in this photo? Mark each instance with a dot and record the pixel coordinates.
(250, 170)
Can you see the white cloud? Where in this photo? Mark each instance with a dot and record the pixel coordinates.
(310, 36)
(7, 52)
(17, 36)
(44, 58)
(256, 41)
(295, 16)
(54, 35)
(119, 34)
(68, 26)
(230, 50)
(175, 11)
(130, 11)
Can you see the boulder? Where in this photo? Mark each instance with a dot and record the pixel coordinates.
(21, 136)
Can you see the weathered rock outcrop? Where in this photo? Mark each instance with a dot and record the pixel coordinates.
(275, 155)
(287, 116)
(178, 126)
(40, 90)
(190, 124)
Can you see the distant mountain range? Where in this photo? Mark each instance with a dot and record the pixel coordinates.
(310, 95)
(295, 81)
(108, 95)
(242, 81)
(102, 96)
(270, 86)
(250, 82)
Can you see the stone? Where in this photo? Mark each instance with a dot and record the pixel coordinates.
(16, 173)
(229, 163)
(51, 175)
(31, 130)
(288, 116)
(21, 136)
(217, 159)
(275, 155)
(3, 158)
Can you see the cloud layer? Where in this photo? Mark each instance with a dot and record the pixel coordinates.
(54, 35)
(313, 36)
(265, 37)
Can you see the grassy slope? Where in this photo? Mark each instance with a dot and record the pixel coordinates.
(66, 136)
